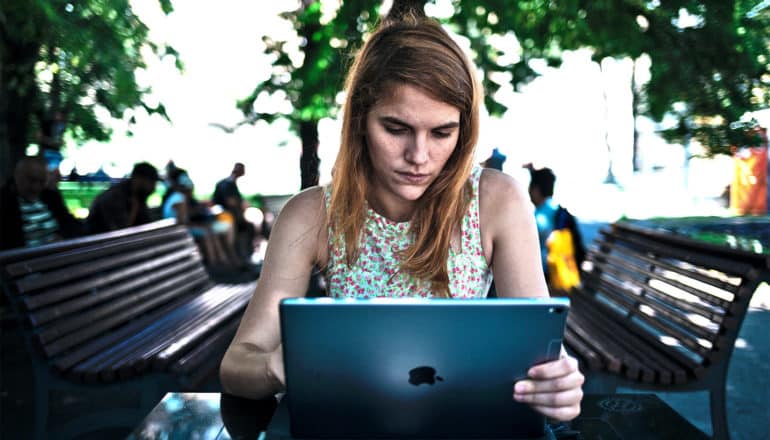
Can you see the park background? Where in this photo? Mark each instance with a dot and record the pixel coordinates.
(576, 117)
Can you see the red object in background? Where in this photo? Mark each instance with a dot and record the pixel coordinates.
(748, 192)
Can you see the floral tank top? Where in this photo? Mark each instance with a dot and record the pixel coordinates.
(376, 272)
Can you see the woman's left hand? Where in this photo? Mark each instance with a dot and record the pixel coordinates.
(553, 389)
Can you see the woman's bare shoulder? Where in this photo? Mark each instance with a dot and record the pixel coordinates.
(302, 222)
(496, 187)
(305, 207)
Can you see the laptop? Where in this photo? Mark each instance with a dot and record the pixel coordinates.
(413, 368)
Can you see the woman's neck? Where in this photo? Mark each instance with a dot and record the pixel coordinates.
(390, 208)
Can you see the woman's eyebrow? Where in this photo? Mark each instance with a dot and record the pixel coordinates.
(397, 121)
(394, 120)
(448, 125)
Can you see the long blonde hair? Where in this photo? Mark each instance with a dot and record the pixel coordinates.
(411, 50)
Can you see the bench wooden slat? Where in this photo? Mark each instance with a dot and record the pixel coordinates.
(667, 371)
(699, 259)
(609, 358)
(59, 339)
(618, 245)
(97, 368)
(89, 369)
(714, 304)
(215, 343)
(643, 297)
(635, 331)
(53, 295)
(89, 268)
(186, 335)
(183, 345)
(709, 313)
(65, 363)
(757, 260)
(616, 358)
(114, 292)
(628, 305)
(22, 255)
(71, 257)
(583, 350)
(140, 356)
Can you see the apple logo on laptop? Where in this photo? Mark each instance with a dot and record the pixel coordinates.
(424, 374)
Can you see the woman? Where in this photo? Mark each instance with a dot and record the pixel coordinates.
(406, 213)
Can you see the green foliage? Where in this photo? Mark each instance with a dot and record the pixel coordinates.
(312, 85)
(709, 61)
(74, 57)
(710, 74)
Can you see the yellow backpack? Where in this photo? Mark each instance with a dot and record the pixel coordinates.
(565, 252)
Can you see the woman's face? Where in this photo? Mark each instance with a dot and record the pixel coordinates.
(410, 137)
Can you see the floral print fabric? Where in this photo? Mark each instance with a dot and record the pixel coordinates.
(377, 274)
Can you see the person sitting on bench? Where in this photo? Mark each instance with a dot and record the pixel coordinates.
(32, 213)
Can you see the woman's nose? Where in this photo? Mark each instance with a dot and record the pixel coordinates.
(417, 150)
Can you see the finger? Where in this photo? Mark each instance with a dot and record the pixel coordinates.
(553, 400)
(561, 414)
(528, 386)
(554, 369)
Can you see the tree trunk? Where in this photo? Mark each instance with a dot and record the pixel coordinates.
(402, 6)
(309, 161)
(18, 93)
(610, 178)
(635, 114)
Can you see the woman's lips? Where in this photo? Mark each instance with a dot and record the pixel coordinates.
(413, 178)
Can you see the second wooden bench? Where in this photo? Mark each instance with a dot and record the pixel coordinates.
(659, 312)
(129, 310)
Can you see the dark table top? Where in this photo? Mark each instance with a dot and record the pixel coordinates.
(217, 416)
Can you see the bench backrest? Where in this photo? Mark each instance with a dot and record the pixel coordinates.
(687, 302)
(72, 292)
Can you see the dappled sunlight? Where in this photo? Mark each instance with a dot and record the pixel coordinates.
(673, 291)
(647, 310)
(741, 343)
(701, 321)
(761, 298)
(696, 284)
(668, 340)
(704, 343)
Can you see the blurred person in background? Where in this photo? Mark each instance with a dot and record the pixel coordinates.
(214, 236)
(227, 195)
(495, 161)
(124, 204)
(32, 210)
(561, 245)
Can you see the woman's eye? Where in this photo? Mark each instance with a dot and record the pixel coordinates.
(395, 130)
(442, 134)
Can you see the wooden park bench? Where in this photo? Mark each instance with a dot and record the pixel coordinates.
(661, 312)
(130, 314)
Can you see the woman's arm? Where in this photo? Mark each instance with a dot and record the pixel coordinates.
(253, 364)
(509, 236)
(180, 209)
(509, 239)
